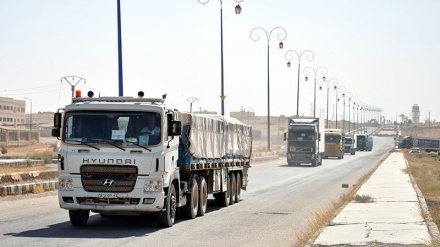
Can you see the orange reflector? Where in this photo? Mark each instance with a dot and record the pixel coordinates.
(77, 93)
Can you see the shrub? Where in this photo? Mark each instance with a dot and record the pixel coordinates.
(4, 150)
(363, 198)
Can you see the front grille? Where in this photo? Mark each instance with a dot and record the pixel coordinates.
(108, 178)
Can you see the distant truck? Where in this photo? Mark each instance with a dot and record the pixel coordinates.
(369, 144)
(427, 144)
(112, 162)
(349, 144)
(305, 141)
(361, 141)
(334, 147)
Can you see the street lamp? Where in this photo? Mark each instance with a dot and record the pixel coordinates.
(332, 83)
(306, 72)
(31, 112)
(348, 95)
(282, 33)
(349, 113)
(299, 56)
(341, 90)
(237, 11)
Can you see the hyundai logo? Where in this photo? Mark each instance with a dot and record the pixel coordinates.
(108, 182)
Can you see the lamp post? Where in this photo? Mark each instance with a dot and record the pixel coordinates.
(341, 90)
(349, 113)
(222, 89)
(31, 113)
(306, 72)
(72, 82)
(348, 95)
(299, 56)
(121, 86)
(282, 33)
(333, 82)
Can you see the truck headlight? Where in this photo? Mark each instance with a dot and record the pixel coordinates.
(153, 186)
(66, 184)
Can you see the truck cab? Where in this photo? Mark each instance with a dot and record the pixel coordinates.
(349, 144)
(334, 140)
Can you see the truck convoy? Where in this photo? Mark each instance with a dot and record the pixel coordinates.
(349, 144)
(134, 156)
(334, 140)
(305, 141)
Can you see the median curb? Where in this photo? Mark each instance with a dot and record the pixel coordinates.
(17, 189)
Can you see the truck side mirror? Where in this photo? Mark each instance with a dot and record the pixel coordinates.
(319, 136)
(57, 120)
(285, 136)
(56, 132)
(175, 128)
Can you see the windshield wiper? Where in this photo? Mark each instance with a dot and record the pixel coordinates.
(84, 143)
(134, 143)
(111, 142)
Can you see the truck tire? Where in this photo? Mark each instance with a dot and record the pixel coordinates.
(238, 194)
(233, 187)
(192, 201)
(222, 198)
(79, 217)
(314, 163)
(203, 196)
(166, 218)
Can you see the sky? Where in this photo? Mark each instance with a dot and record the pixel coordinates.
(385, 53)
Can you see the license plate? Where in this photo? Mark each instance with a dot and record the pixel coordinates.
(107, 195)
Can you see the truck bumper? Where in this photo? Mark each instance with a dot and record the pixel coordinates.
(135, 201)
(300, 158)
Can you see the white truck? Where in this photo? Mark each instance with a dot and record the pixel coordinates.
(110, 162)
(305, 141)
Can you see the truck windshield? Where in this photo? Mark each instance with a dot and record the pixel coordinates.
(301, 135)
(348, 141)
(110, 127)
(332, 138)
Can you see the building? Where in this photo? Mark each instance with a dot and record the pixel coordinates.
(12, 113)
(416, 115)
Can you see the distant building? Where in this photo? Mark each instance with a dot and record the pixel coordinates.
(416, 115)
(12, 112)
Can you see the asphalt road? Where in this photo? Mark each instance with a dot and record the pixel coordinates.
(277, 207)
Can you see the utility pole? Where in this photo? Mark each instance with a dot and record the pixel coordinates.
(191, 100)
(72, 82)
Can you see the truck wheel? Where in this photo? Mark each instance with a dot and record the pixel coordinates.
(166, 218)
(192, 201)
(238, 194)
(233, 187)
(203, 196)
(79, 217)
(222, 198)
(314, 162)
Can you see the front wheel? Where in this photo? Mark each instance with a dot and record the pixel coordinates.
(166, 218)
(79, 217)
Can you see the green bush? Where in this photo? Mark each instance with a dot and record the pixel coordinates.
(4, 150)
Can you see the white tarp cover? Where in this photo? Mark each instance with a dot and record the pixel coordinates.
(214, 136)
